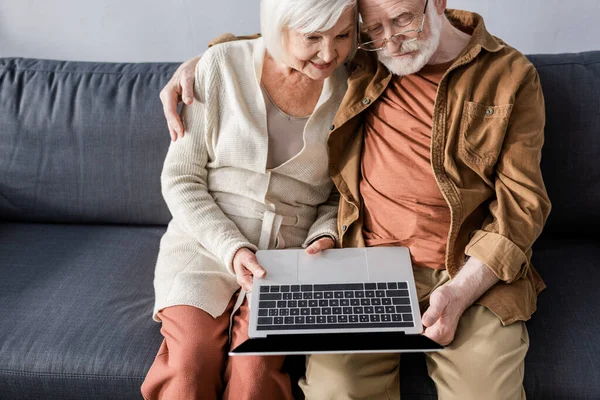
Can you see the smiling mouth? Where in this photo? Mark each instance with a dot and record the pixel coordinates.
(322, 66)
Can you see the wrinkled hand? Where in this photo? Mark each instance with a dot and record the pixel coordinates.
(448, 302)
(319, 245)
(246, 266)
(442, 316)
(180, 86)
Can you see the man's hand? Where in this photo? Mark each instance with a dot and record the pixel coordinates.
(319, 245)
(448, 302)
(180, 86)
(245, 267)
(443, 314)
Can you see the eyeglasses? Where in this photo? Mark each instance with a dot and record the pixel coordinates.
(379, 44)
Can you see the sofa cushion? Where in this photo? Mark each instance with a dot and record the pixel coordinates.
(76, 315)
(82, 142)
(571, 85)
(564, 357)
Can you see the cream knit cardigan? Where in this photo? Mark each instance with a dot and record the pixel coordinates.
(218, 189)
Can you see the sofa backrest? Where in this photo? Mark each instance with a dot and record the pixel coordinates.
(85, 142)
(82, 142)
(571, 154)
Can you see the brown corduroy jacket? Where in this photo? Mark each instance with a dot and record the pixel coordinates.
(486, 143)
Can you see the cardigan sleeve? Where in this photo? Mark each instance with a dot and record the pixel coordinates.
(326, 222)
(184, 175)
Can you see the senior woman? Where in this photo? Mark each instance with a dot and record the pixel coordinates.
(250, 173)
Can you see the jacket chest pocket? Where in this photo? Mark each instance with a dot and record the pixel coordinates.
(482, 130)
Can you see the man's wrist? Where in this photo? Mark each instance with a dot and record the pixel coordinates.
(472, 281)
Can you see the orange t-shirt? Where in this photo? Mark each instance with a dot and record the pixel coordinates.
(402, 203)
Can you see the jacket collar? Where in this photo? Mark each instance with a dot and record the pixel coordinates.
(473, 23)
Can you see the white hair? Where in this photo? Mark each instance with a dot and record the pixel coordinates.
(305, 16)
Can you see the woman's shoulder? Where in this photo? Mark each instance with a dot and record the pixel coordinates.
(230, 63)
(227, 65)
(232, 52)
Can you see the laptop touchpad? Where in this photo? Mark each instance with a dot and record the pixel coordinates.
(333, 266)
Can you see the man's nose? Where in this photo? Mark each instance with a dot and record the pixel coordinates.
(394, 45)
(391, 43)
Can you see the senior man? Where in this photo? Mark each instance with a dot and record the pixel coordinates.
(437, 147)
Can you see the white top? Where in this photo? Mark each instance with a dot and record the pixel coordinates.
(217, 186)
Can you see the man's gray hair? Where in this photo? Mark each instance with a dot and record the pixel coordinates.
(306, 16)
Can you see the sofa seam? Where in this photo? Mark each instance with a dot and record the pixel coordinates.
(66, 375)
(161, 73)
(566, 63)
(86, 72)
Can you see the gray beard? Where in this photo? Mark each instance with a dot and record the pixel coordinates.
(424, 51)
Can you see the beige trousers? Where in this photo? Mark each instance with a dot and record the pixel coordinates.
(484, 362)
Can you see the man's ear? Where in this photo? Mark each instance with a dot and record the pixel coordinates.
(440, 5)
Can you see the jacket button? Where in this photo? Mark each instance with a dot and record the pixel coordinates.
(366, 100)
(489, 111)
(344, 228)
(332, 127)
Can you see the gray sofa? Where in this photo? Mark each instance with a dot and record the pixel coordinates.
(81, 216)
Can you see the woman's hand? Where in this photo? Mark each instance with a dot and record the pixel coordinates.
(180, 86)
(321, 244)
(245, 267)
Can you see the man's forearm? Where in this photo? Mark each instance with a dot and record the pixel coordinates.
(473, 280)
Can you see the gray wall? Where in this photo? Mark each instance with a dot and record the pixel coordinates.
(174, 30)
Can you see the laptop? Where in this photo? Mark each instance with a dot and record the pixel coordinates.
(360, 300)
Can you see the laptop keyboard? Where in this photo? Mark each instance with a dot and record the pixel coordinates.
(334, 306)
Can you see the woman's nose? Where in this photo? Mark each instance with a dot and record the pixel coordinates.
(328, 53)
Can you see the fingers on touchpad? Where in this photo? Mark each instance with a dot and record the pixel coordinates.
(281, 265)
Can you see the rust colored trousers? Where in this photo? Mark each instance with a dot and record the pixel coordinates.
(192, 362)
